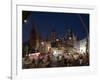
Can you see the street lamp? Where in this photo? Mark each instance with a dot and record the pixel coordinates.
(70, 38)
(25, 21)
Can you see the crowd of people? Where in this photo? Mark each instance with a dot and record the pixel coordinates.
(46, 60)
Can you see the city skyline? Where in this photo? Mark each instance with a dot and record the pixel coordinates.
(53, 39)
(45, 22)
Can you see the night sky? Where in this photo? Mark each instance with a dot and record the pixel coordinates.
(60, 22)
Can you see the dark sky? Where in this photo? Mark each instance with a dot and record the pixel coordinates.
(46, 21)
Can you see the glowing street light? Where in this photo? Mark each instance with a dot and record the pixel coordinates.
(42, 43)
(70, 38)
(57, 39)
(25, 21)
